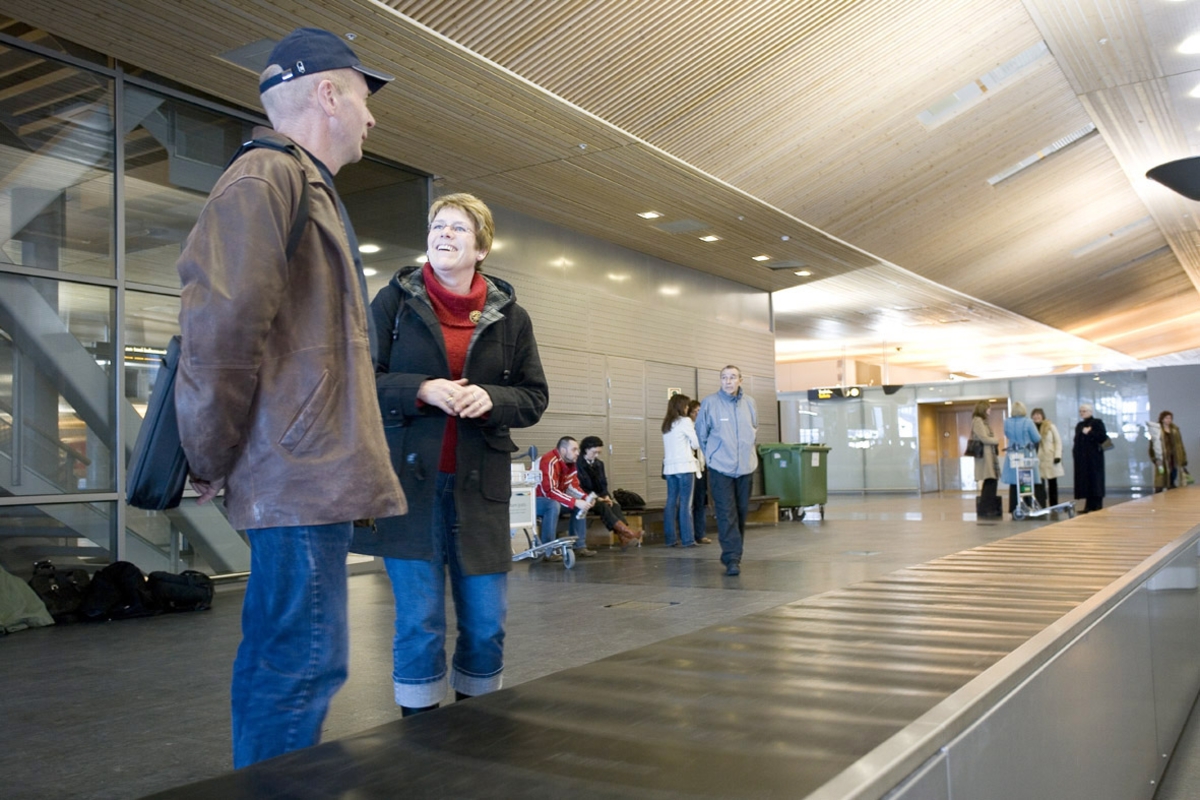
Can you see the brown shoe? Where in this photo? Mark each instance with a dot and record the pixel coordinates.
(583, 552)
(627, 536)
(704, 540)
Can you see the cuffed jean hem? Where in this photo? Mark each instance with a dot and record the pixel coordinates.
(474, 685)
(420, 695)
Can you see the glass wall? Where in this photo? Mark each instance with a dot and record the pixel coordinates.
(875, 442)
(103, 177)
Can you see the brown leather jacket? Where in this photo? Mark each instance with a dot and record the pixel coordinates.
(276, 390)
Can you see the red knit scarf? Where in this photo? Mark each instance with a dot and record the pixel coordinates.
(454, 313)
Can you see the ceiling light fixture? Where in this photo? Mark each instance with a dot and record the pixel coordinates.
(1190, 45)
(370, 272)
(710, 238)
(669, 291)
(761, 258)
(368, 249)
(649, 214)
(804, 273)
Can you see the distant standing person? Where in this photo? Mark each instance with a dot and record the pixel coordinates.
(1049, 455)
(1172, 458)
(679, 468)
(987, 465)
(1022, 436)
(1088, 452)
(727, 427)
(700, 493)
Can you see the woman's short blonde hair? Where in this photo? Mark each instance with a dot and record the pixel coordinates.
(1018, 408)
(476, 209)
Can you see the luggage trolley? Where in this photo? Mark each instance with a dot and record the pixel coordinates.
(522, 516)
(1025, 464)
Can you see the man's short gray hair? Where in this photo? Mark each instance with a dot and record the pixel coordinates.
(292, 99)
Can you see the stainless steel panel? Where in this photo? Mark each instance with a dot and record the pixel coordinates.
(930, 782)
(1174, 607)
(1082, 726)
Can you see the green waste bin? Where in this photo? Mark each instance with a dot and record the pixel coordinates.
(797, 474)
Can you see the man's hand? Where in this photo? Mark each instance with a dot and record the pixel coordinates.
(206, 489)
(584, 503)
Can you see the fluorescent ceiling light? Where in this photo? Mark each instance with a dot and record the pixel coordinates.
(369, 248)
(420, 259)
(612, 276)
(649, 214)
(710, 238)
(670, 291)
(976, 91)
(804, 273)
(762, 258)
(1049, 150)
(370, 272)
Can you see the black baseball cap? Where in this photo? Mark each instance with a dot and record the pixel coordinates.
(308, 50)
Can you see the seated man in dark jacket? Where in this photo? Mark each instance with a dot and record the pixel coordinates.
(592, 479)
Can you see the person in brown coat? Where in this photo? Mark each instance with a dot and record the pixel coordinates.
(987, 467)
(276, 390)
(1171, 461)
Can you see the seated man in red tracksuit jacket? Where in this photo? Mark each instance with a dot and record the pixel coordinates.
(559, 491)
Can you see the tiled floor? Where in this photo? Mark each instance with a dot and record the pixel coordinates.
(126, 708)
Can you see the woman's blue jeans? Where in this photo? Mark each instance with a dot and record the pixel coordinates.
(295, 645)
(677, 516)
(480, 607)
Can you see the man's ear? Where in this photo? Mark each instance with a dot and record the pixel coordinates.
(327, 97)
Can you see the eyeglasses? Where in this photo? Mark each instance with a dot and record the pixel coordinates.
(458, 228)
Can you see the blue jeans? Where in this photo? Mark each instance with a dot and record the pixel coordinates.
(549, 510)
(295, 646)
(731, 497)
(679, 509)
(699, 503)
(480, 610)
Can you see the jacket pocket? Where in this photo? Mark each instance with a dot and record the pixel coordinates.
(496, 475)
(312, 409)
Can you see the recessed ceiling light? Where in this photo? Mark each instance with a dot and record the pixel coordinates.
(370, 272)
(1191, 45)
(369, 248)
(710, 238)
(762, 258)
(420, 259)
(649, 214)
(804, 273)
(613, 276)
(670, 291)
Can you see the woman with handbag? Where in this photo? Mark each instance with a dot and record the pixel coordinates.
(987, 470)
(1171, 459)
(1088, 452)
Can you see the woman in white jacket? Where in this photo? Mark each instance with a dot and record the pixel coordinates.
(679, 468)
(1049, 455)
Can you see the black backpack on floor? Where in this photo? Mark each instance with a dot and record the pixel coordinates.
(61, 591)
(188, 591)
(118, 591)
(631, 501)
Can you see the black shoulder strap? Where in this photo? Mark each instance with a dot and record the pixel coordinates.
(301, 219)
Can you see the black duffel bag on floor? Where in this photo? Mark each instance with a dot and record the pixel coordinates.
(61, 590)
(188, 591)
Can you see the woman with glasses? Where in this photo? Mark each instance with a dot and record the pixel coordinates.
(457, 369)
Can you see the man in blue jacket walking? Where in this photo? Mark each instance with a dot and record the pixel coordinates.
(727, 426)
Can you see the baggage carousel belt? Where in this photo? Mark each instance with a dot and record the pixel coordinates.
(773, 705)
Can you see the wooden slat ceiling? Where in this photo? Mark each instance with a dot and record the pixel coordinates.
(769, 118)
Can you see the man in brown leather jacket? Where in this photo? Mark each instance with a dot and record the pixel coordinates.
(276, 388)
